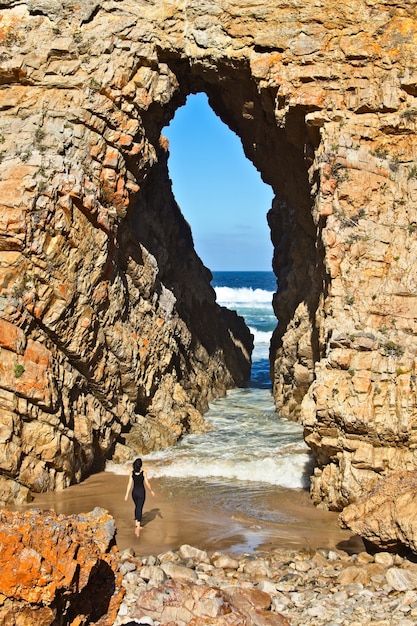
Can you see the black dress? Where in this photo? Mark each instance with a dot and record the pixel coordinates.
(138, 494)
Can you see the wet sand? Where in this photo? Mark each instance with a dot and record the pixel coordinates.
(172, 518)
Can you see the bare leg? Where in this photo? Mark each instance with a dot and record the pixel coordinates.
(137, 528)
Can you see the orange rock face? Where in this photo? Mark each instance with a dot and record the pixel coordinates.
(58, 568)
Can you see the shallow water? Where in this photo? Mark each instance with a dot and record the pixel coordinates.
(194, 512)
(250, 450)
(247, 445)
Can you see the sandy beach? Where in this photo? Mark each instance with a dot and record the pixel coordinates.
(171, 519)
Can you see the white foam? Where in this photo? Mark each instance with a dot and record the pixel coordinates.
(286, 470)
(260, 336)
(228, 296)
(121, 470)
(248, 442)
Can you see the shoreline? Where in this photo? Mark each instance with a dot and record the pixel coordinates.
(174, 519)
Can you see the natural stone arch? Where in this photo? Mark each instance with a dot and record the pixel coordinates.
(91, 313)
(283, 155)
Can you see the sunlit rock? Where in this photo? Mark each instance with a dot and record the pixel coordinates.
(111, 333)
(59, 569)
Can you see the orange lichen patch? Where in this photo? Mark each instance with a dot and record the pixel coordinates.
(401, 33)
(28, 375)
(96, 151)
(111, 159)
(21, 581)
(65, 292)
(144, 348)
(34, 385)
(125, 141)
(37, 309)
(135, 149)
(120, 185)
(37, 353)
(159, 321)
(9, 27)
(11, 337)
(363, 45)
(44, 555)
(267, 66)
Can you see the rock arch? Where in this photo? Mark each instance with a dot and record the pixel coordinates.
(97, 261)
(283, 154)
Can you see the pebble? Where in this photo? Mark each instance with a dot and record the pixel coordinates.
(330, 588)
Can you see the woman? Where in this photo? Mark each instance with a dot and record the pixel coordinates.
(138, 480)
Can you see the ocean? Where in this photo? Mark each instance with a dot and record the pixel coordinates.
(252, 462)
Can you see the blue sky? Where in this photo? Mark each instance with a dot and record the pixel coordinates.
(219, 191)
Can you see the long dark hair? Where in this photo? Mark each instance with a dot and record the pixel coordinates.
(137, 466)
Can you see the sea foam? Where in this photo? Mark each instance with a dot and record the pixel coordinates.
(229, 296)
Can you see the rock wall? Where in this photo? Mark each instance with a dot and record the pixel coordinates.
(97, 262)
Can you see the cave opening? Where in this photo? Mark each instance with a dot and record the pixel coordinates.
(223, 198)
(219, 191)
(280, 144)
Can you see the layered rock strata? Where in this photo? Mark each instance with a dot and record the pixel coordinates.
(110, 334)
(97, 263)
(387, 515)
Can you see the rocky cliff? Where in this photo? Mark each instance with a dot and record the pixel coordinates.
(109, 326)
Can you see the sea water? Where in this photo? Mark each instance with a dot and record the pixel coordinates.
(250, 454)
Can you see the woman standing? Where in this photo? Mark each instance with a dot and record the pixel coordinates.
(139, 481)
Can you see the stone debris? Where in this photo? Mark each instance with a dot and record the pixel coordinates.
(281, 587)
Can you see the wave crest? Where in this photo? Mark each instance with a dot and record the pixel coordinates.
(243, 295)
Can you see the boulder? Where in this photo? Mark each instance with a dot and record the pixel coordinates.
(57, 569)
(387, 515)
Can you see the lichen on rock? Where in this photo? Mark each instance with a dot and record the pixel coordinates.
(59, 569)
